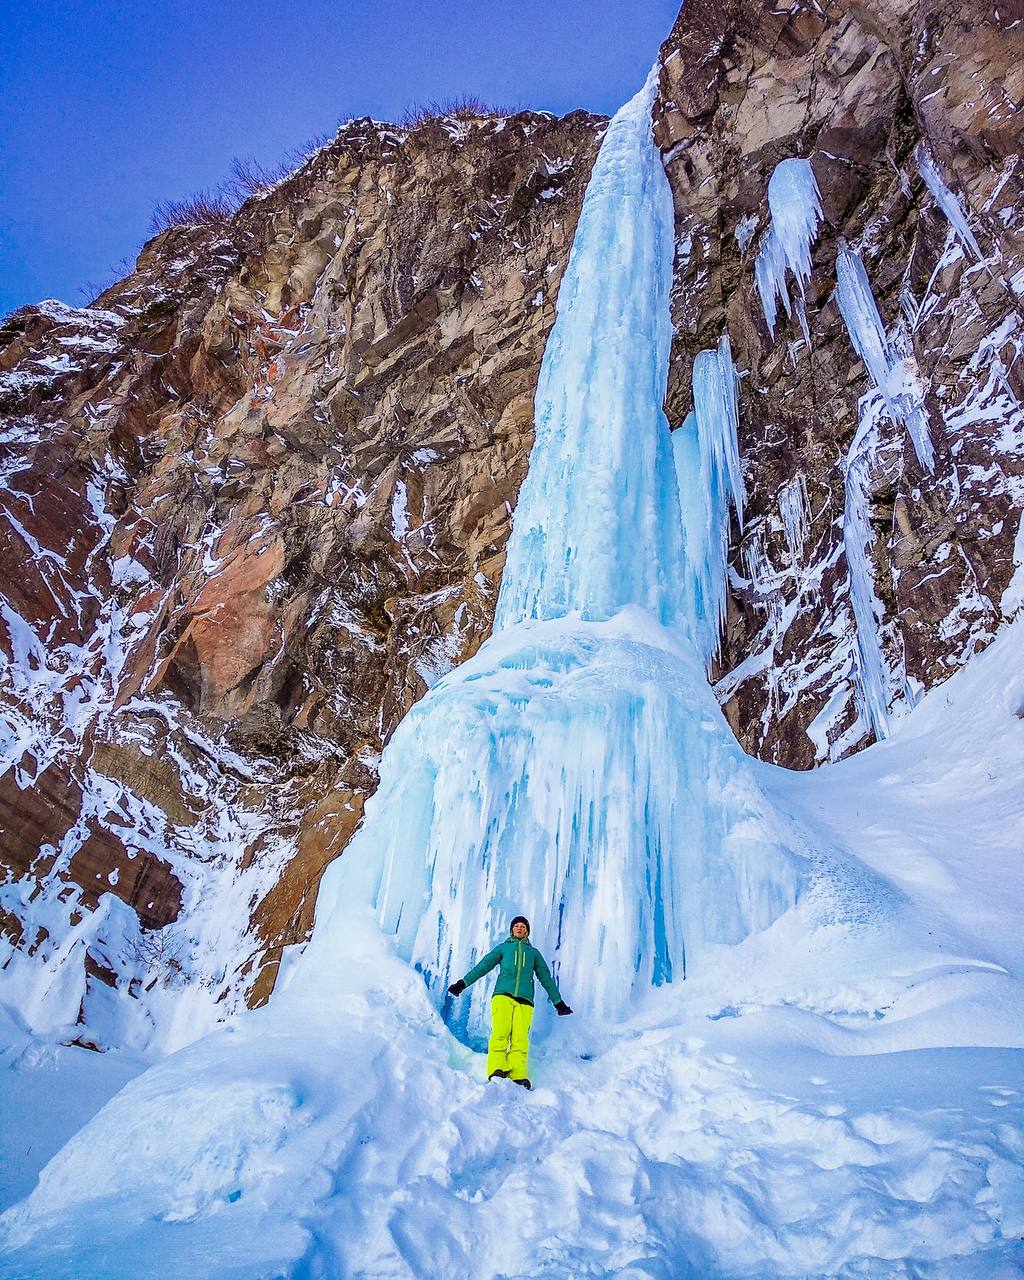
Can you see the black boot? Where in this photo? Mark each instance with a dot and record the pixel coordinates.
(524, 1082)
(498, 1075)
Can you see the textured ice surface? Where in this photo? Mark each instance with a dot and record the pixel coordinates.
(795, 205)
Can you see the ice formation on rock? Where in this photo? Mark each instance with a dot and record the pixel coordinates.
(795, 205)
(896, 394)
(795, 510)
(889, 364)
(873, 675)
(710, 479)
(946, 201)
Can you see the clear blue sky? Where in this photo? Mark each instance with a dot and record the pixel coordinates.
(108, 107)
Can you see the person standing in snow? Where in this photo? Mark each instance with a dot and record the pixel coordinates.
(512, 1002)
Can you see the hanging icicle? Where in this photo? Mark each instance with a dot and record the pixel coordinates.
(947, 201)
(795, 204)
(889, 363)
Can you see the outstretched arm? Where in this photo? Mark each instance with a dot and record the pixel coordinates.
(546, 980)
(485, 966)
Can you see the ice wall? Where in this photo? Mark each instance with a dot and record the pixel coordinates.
(578, 769)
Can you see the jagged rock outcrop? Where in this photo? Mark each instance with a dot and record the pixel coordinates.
(857, 89)
(258, 497)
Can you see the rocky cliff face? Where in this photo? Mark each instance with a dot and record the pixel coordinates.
(257, 496)
(257, 501)
(841, 511)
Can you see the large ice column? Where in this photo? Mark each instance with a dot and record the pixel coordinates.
(795, 204)
(597, 525)
(890, 367)
(710, 479)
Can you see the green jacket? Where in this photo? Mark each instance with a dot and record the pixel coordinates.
(519, 962)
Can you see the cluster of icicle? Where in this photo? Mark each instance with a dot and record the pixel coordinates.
(795, 205)
(794, 202)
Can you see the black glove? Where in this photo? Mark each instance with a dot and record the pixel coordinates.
(457, 988)
(562, 1009)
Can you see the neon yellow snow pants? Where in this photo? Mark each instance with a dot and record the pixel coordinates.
(510, 1037)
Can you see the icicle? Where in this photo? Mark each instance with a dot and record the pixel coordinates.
(946, 201)
(710, 480)
(795, 204)
(873, 678)
(889, 364)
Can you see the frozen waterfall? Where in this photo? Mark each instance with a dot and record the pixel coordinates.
(578, 769)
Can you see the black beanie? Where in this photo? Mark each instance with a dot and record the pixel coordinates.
(519, 920)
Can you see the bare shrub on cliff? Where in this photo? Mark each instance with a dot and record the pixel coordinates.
(250, 178)
(198, 210)
(92, 290)
(158, 955)
(460, 108)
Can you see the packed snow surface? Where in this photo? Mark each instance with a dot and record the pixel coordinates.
(835, 1088)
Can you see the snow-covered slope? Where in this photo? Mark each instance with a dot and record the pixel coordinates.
(835, 1088)
(840, 1095)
